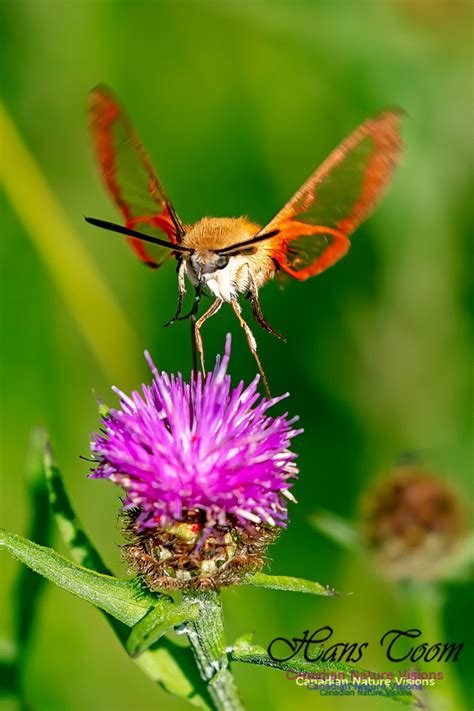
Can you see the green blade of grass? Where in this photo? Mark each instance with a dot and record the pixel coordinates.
(78, 280)
(340, 531)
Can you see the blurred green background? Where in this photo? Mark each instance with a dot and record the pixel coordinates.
(237, 103)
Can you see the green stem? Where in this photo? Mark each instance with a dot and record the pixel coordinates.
(424, 604)
(206, 636)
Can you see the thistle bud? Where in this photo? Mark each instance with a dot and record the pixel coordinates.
(413, 523)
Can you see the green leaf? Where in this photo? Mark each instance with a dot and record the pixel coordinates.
(173, 668)
(284, 582)
(118, 597)
(337, 529)
(244, 651)
(28, 587)
(168, 664)
(156, 623)
(10, 676)
(79, 545)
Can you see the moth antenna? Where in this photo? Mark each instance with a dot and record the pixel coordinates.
(248, 243)
(113, 227)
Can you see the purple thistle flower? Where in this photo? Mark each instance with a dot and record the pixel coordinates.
(206, 472)
(203, 446)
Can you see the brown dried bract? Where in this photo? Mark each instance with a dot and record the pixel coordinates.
(189, 556)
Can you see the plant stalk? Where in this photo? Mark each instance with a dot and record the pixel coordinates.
(206, 636)
(424, 604)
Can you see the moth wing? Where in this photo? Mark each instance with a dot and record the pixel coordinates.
(130, 178)
(315, 225)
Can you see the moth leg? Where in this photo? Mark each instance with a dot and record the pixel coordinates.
(257, 310)
(181, 293)
(251, 342)
(213, 309)
(193, 314)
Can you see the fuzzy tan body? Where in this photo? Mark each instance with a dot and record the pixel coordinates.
(213, 233)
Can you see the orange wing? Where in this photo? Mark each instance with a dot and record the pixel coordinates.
(314, 226)
(130, 178)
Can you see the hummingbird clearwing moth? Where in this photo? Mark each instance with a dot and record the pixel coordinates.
(234, 256)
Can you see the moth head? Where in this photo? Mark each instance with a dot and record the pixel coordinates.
(207, 262)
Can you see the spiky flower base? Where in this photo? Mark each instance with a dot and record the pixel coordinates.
(187, 555)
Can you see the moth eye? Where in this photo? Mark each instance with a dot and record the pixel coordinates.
(222, 261)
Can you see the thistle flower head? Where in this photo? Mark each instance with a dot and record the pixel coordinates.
(413, 522)
(198, 462)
